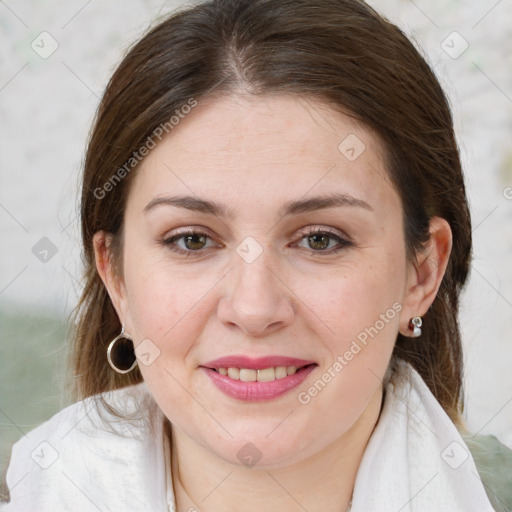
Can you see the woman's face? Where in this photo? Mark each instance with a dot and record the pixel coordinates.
(259, 235)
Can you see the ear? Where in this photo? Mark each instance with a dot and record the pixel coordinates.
(425, 275)
(106, 269)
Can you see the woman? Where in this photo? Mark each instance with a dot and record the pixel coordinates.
(276, 233)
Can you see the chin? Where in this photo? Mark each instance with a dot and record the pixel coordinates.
(264, 448)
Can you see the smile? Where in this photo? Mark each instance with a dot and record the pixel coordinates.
(259, 379)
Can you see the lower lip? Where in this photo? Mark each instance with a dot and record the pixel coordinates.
(257, 391)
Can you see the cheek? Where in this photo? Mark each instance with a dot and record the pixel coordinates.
(169, 308)
(355, 300)
(167, 313)
(166, 306)
(361, 310)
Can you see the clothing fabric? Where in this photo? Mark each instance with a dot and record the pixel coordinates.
(416, 460)
(86, 458)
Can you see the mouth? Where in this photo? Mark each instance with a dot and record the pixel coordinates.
(259, 379)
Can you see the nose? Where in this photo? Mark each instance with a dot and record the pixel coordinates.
(256, 298)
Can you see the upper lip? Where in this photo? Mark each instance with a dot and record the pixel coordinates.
(256, 363)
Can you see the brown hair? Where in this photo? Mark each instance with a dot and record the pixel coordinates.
(339, 51)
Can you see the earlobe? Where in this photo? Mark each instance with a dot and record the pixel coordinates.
(426, 275)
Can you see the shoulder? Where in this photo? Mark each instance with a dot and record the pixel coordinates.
(493, 461)
(90, 451)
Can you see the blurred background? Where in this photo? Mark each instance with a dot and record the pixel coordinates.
(55, 59)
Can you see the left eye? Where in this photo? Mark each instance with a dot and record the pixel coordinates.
(322, 241)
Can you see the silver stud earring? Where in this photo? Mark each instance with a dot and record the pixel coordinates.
(415, 326)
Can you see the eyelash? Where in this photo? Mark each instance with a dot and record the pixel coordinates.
(305, 232)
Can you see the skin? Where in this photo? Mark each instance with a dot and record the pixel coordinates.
(252, 156)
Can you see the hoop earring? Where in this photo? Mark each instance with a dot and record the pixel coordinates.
(121, 356)
(415, 325)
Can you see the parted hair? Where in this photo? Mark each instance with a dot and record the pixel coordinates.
(338, 51)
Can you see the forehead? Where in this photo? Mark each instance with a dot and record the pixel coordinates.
(265, 149)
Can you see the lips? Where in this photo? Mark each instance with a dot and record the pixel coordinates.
(256, 379)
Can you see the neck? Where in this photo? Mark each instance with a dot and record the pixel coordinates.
(323, 482)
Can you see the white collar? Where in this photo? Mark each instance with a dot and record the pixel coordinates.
(416, 460)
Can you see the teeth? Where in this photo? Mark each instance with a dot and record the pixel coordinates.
(291, 370)
(234, 373)
(263, 375)
(267, 375)
(281, 372)
(247, 375)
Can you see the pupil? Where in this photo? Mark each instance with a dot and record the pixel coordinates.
(191, 241)
(316, 241)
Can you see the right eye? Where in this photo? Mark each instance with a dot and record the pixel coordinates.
(187, 242)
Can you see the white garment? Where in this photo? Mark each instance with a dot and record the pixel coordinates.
(416, 460)
(86, 459)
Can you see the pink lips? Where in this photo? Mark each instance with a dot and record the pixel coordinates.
(257, 391)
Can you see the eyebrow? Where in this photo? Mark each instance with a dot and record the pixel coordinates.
(289, 208)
